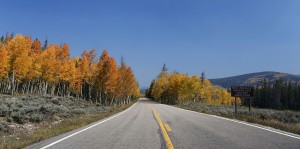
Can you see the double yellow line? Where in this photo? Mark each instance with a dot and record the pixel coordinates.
(163, 129)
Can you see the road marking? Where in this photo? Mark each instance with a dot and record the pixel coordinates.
(163, 130)
(168, 128)
(71, 135)
(295, 136)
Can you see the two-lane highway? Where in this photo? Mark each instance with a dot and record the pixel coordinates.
(151, 125)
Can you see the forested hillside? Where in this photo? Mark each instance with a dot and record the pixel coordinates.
(178, 88)
(279, 95)
(272, 89)
(253, 79)
(28, 67)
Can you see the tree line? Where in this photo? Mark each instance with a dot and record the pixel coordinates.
(174, 88)
(279, 95)
(28, 67)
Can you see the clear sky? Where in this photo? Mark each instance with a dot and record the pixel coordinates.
(221, 37)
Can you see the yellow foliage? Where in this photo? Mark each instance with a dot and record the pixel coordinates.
(35, 71)
(20, 60)
(49, 64)
(136, 93)
(87, 67)
(177, 87)
(160, 86)
(74, 75)
(26, 67)
(107, 74)
(4, 63)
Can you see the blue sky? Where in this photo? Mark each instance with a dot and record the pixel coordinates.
(221, 37)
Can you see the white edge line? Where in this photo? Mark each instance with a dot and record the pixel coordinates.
(51, 144)
(244, 123)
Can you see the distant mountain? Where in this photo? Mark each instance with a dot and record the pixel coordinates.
(143, 89)
(253, 79)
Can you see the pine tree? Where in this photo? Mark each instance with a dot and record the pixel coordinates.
(45, 44)
(202, 77)
(149, 93)
(278, 94)
(2, 39)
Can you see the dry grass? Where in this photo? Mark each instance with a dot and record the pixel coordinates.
(284, 120)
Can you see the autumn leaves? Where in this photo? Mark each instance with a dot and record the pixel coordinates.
(178, 88)
(27, 67)
(113, 82)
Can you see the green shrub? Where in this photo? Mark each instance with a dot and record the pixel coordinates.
(3, 126)
(37, 108)
(3, 110)
(78, 111)
(18, 116)
(37, 117)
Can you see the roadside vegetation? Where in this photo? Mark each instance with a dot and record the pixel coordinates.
(285, 120)
(176, 88)
(33, 118)
(198, 94)
(44, 92)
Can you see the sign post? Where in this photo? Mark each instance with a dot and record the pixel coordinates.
(242, 91)
(250, 104)
(235, 108)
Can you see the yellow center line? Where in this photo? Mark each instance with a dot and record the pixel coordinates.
(168, 128)
(163, 130)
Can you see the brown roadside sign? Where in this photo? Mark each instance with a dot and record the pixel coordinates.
(242, 91)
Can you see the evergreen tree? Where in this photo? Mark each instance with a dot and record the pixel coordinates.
(164, 68)
(149, 93)
(202, 77)
(45, 44)
(278, 94)
(2, 39)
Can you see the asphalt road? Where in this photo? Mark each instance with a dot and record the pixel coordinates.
(151, 125)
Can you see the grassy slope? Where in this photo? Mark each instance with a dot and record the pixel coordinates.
(284, 120)
(47, 130)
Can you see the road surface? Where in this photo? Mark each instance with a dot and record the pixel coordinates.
(151, 125)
